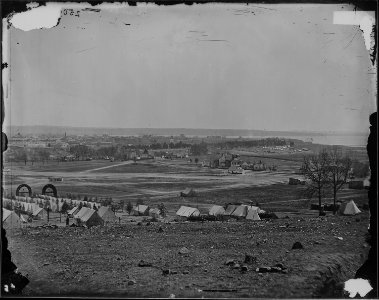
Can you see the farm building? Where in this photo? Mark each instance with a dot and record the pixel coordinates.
(106, 214)
(349, 208)
(10, 219)
(230, 209)
(140, 210)
(216, 210)
(188, 192)
(89, 218)
(235, 170)
(154, 212)
(73, 211)
(185, 212)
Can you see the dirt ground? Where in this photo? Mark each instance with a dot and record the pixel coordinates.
(104, 261)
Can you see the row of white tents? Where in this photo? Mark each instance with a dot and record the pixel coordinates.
(55, 204)
(248, 212)
(90, 217)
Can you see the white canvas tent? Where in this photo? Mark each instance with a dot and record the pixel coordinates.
(241, 211)
(38, 212)
(89, 218)
(253, 215)
(73, 211)
(216, 210)
(230, 209)
(107, 214)
(185, 211)
(10, 219)
(81, 212)
(349, 208)
(141, 210)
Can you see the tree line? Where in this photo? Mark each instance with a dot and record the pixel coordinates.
(326, 172)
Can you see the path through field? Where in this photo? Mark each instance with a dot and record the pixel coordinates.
(107, 167)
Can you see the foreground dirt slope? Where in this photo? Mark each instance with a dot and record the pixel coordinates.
(105, 261)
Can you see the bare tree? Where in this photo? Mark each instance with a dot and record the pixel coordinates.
(339, 169)
(315, 170)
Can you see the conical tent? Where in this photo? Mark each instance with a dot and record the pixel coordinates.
(229, 210)
(349, 208)
(216, 210)
(10, 219)
(106, 214)
(241, 211)
(253, 215)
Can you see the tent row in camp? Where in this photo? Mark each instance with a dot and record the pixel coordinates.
(244, 211)
(144, 210)
(105, 213)
(238, 211)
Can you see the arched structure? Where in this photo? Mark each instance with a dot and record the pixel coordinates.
(49, 189)
(24, 190)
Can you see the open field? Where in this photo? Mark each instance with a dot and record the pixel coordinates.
(104, 261)
(127, 180)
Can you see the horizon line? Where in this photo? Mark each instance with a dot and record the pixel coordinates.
(189, 128)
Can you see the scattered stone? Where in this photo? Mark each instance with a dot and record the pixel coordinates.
(297, 245)
(276, 269)
(236, 266)
(148, 224)
(185, 272)
(160, 229)
(338, 237)
(173, 272)
(230, 262)
(280, 265)
(205, 270)
(46, 264)
(131, 282)
(139, 223)
(244, 269)
(143, 263)
(285, 271)
(263, 269)
(166, 271)
(184, 250)
(316, 243)
(250, 259)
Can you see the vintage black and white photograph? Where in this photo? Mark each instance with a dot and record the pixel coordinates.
(189, 150)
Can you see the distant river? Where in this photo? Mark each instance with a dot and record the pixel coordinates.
(343, 140)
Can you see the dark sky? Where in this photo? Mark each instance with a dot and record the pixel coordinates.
(273, 67)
